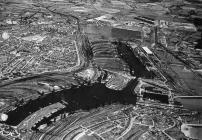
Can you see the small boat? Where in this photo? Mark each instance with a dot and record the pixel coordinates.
(192, 131)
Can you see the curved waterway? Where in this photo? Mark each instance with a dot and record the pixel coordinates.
(82, 98)
(85, 97)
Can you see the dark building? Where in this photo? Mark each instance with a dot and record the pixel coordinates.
(124, 34)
